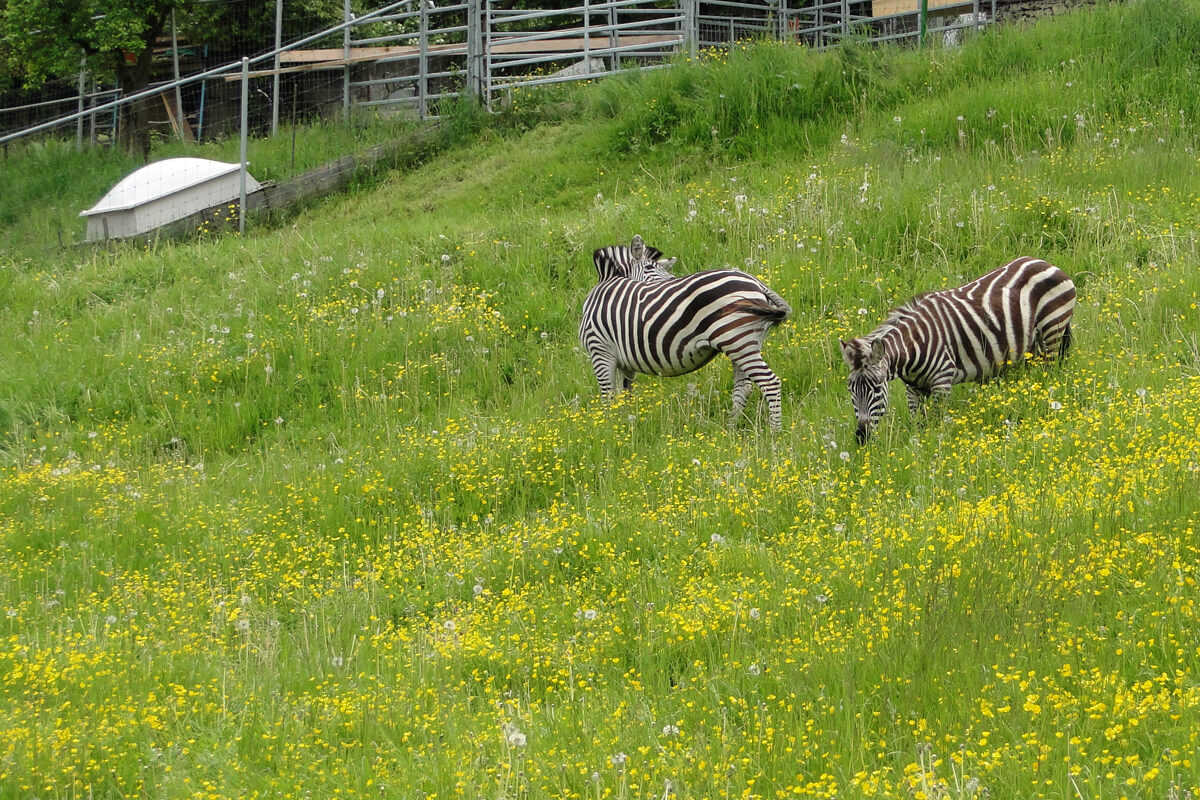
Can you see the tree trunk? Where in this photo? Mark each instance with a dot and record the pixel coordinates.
(134, 78)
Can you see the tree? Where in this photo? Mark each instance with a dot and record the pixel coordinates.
(44, 39)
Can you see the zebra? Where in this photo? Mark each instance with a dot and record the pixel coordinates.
(640, 318)
(969, 333)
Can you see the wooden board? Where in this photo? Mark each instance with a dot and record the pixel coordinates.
(886, 8)
(178, 119)
(335, 57)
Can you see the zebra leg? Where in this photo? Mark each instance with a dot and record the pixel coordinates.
(606, 374)
(750, 365)
(919, 400)
(1054, 340)
(916, 398)
(741, 392)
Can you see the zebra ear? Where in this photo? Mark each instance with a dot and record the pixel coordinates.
(849, 353)
(668, 264)
(877, 352)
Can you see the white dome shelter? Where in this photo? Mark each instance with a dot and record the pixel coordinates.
(161, 193)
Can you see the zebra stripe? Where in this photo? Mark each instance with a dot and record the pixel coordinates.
(968, 333)
(657, 324)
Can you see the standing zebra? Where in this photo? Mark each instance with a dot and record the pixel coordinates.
(942, 338)
(641, 319)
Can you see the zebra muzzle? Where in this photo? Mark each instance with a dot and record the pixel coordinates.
(862, 432)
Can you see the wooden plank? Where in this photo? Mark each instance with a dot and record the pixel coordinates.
(179, 122)
(335, 56)
(580, 43)
(886, 8)
(332, 58)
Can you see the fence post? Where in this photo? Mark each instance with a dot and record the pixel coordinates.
(180, 122)
(346, 69)
(275, 78)
(922, 12)
(474, 40)
(245, 134)
(82, 88)
(487, 54)
(423, 62)
(691, 24)
(613, 38)
(845, 19)
(587, 38)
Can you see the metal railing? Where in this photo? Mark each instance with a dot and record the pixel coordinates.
(411, 55)
(599, 39)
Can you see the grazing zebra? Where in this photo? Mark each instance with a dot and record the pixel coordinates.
(942, 338)
(641, 319)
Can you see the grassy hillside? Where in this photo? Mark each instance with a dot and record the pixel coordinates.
(334, 510)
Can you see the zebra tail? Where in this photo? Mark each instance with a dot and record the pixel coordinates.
(780, 303)
(775, 312)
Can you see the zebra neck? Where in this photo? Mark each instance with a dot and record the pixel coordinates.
(895, 347)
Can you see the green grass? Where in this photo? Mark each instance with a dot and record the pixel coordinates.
(334, 509)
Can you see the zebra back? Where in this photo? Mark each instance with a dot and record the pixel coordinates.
(1022, 307)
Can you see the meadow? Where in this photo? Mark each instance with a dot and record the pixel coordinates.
(333, 509)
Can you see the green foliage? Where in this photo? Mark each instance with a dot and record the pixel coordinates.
(45, 38)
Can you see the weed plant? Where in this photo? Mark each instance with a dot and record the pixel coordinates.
(334, 509)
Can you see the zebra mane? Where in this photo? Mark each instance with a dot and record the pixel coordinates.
(912, 305)
(905, 310)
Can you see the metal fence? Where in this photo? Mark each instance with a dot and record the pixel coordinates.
(408, 57)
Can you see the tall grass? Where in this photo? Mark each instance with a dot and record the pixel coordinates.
(333, 508)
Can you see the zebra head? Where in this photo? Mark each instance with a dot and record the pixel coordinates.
(868, 382)
(638, 262)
